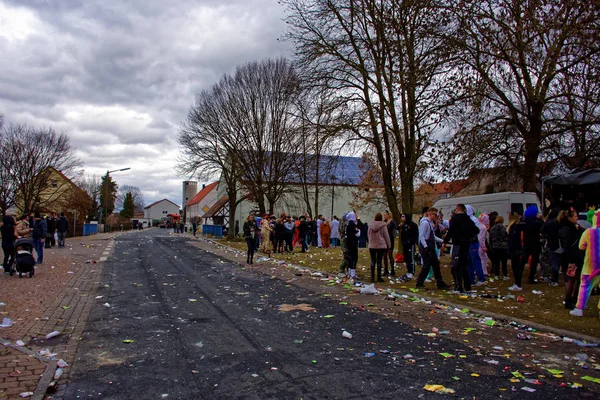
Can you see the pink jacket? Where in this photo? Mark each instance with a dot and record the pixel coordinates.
(378, 235)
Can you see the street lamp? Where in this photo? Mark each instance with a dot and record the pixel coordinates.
(106, 192)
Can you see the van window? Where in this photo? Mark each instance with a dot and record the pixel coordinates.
(516, 208)
(531, 204)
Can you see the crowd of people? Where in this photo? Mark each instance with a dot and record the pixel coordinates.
(482, 247)
(44, 231)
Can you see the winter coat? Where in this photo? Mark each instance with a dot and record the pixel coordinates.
(351, 231)
(569, 236)
(462, 230)
(514, 236)
(409, 231)
(8, 231)
(550, 230)
(40, 229)
(590, 242)
(531, 233)
(23, 228)
(250, 229)
(303, 229)
(378, 235)
(392, 228)
(62, 225)
(498, 237)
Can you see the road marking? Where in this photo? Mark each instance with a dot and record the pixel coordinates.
(102, 259)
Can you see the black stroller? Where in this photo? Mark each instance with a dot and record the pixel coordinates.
(24, 257)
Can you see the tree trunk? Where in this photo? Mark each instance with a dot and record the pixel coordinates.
(532, 151)
(407, 188)
(232, 209)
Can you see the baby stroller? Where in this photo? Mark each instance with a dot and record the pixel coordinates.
(24, 257)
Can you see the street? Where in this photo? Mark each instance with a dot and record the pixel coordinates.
(177, 322)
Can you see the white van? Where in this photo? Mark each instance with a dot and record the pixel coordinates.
(505, 204)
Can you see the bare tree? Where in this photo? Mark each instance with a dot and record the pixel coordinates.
(136, 193)
(206, 148)
(514, 55)
(38, 153)
(385, 59)
(317, 123)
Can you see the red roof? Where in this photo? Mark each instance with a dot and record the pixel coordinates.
(202, 194)
(444, 187)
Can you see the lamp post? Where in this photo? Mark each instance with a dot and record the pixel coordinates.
(106, 192)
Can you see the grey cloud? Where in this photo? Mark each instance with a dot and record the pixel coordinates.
(120, 76)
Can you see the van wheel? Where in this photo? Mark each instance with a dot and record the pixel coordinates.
(31, 273)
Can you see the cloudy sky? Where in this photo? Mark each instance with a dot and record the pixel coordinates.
(118, 76)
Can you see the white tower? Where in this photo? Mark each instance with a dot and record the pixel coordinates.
(190, 189)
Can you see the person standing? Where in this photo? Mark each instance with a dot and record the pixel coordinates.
(303, 234)
(550, 231)
(379, 243)
(9, 235)
(335, 231)
(499, 247)
(590, 273)
(266, 246)
(23, 227)
(515, 251)
(319, 238)
(352, 235)
(392, 228)
(484, 222)
(325, 234)
(531, 241)
(569, 235)
(40, 229)
(475, 267)
(409, 235)
(427, 247)
(250, 228)
(289, 226)
(462, 231)
(62, 227)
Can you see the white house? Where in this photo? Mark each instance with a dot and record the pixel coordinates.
(160, 209)
(336, 191)
(198, 205)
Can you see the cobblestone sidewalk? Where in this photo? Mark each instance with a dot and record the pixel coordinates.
(58, 298)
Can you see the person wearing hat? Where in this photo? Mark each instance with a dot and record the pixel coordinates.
(23, 227)
(40, 229)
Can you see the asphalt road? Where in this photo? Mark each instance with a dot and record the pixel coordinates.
(206, 328)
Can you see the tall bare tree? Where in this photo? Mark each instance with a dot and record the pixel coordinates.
(515, 55)
(386, 60)
(207, 148)
(257, 102)
(37, 154)
(137, 195)
(317, 123)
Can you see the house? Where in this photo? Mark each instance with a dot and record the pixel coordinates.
(339, 179)
(154, 212)
(428, 193)
(60, 194)
(199, 204)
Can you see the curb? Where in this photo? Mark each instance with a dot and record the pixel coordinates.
(537, 326)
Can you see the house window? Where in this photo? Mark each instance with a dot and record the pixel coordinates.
(54, 184)
(164, 212)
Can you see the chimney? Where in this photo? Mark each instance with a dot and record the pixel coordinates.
(203, 186)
